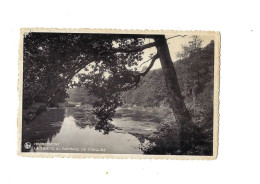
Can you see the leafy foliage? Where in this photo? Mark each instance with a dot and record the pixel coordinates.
(51, 60)
(110, 63)
(195, 75)
(190, 49)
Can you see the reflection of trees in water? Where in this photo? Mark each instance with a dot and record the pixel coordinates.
(84, 117)
(104, 127)
(140, 137)
(81, 125)
(43, 128)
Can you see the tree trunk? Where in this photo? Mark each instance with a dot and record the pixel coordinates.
(177, 104)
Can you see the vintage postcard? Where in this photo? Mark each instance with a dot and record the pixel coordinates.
(91, 93)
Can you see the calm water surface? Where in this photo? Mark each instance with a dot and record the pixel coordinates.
(57, 130)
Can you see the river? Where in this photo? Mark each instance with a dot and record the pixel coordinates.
(71, 129)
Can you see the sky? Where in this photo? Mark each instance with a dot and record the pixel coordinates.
(175, 46)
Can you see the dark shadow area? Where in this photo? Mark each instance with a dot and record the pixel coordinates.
(43, 128)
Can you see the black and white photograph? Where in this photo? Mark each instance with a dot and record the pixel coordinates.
(119, 93)
(130, 92)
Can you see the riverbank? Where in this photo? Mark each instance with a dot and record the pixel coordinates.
(154, 126)
(142, 122)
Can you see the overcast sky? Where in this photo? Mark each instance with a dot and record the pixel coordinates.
(175, 46)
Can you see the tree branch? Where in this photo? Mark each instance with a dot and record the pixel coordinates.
(134, 49)
(176, 36)
(156, 56)
(145, 62)
(137, 78)
(62, 85)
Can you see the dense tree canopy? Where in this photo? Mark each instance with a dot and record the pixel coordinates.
(110, 62)
(52, 60)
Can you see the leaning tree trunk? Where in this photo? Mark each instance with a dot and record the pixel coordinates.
(177, 104)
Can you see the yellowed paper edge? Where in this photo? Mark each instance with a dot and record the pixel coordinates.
(123, 156)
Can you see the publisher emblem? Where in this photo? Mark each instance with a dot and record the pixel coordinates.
(27, 145)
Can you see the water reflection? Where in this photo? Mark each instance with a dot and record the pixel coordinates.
(73, 130)
(84, 117)
(43, 128)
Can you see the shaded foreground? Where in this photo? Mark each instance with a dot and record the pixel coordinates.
(134, 130)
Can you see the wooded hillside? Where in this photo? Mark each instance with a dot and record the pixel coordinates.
(195, 76)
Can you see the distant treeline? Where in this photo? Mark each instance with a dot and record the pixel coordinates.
(81, 95)
(195, 76)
